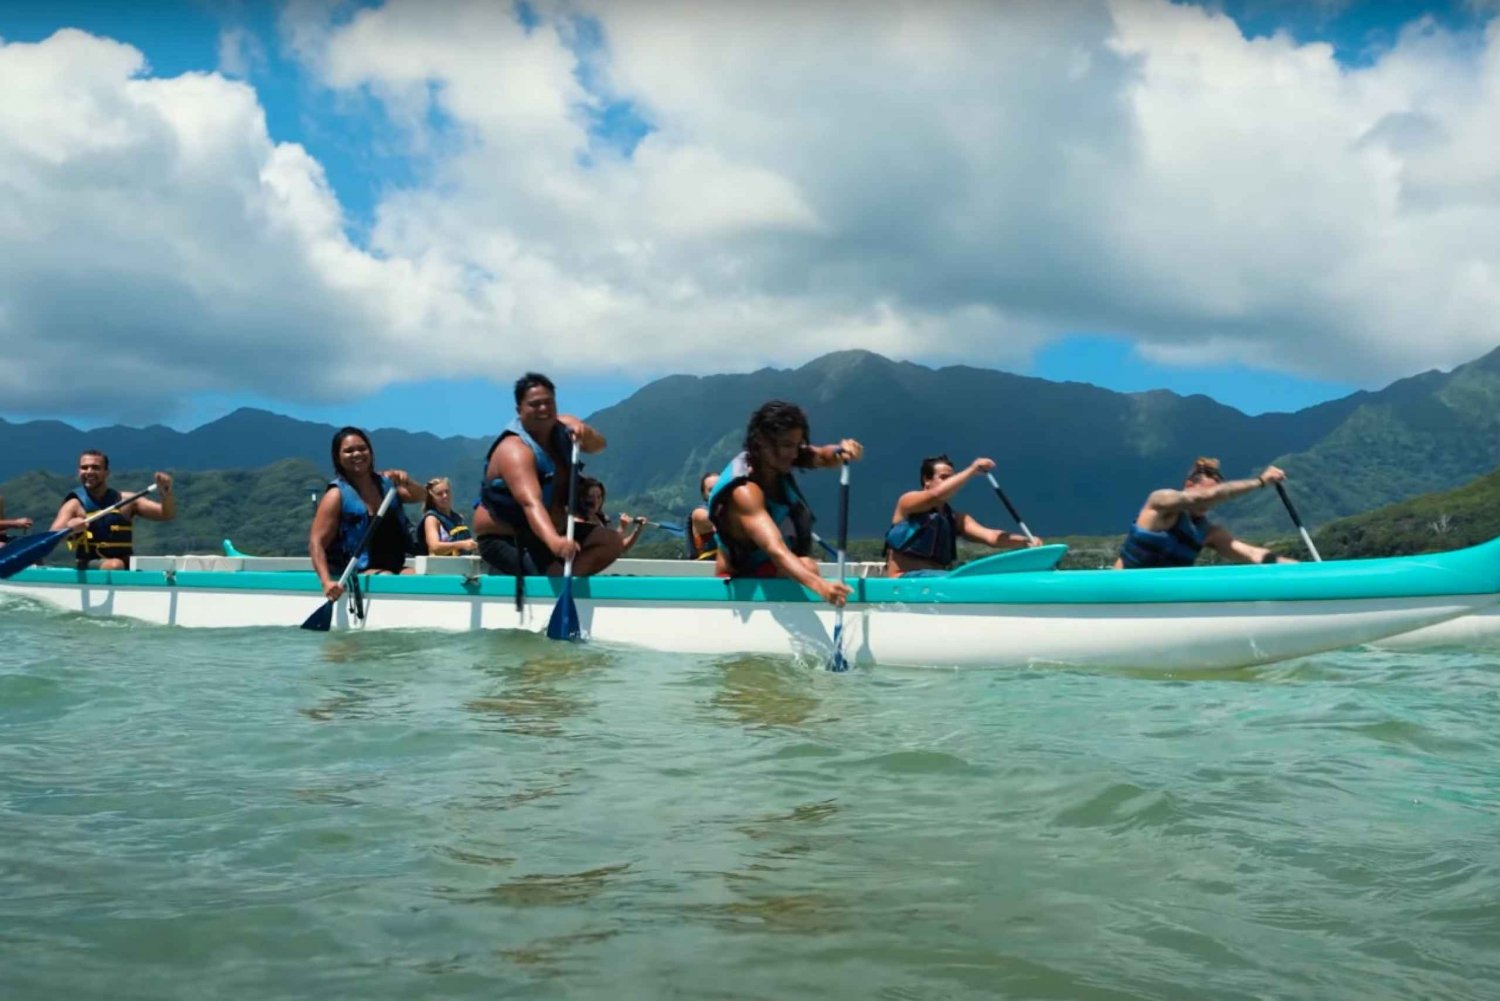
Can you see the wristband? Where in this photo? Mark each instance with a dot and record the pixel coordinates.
(1260, 480)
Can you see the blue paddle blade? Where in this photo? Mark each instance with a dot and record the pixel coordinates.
(670, 529)
(838, 664)
(320, 620)
(564, 622)
(17, 556)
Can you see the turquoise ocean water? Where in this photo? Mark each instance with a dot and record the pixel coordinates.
(279, 814)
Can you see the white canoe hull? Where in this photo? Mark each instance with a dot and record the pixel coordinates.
(1159, 636)
(1479, 629)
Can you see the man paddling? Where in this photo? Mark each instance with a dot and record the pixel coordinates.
(763, 526)
(520, 521)
(924, 533)
(1173, 526)
(108, 542)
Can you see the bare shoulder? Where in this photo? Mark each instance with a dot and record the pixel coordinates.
(1167, 500)
(513, 452)
(748, 497)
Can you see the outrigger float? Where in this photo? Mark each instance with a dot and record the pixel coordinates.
(1011, 609)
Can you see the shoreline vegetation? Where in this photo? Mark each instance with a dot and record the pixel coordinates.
(267, 511)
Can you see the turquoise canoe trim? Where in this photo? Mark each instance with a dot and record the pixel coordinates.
(1463, 572)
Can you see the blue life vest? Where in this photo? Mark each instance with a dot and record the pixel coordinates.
(387, 550)
(1178, 546)
(451, 528)
(495, 495)
(790, 512)
(111, 537)
(930, 535)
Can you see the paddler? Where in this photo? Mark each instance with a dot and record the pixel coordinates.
(701, 544)
(347, 508)
(924, 533)
(6, 524)
(763, 526)
(441, 530)
(520, 521)
(107, 543)
(1173, 526)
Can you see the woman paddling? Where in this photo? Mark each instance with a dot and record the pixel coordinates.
(924, 533)
(591, 504)
(441, 530)
(344, 514)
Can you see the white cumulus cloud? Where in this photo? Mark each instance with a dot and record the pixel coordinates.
(948, 180)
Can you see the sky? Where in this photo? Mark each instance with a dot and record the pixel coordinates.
(384, 213)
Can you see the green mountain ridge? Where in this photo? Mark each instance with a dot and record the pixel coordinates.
(1075, 458)
(1433, 522)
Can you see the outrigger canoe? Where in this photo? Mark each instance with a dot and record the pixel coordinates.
(1013, 609)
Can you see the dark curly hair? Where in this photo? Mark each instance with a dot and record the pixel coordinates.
(774, 419)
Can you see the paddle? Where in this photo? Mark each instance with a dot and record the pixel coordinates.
(1010, 507)
(838, 663)
(564, 622)
(19, 555)
(1297, 520)
(322, 619)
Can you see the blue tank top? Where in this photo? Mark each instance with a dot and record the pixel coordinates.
(790, 512)
(930, 535)
(1178, 546)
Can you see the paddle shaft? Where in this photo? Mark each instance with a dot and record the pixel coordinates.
(843, 549)
(1010, 507)
(120, 503)
(1291, 509)
(838, 663)
(563, 625)
(572, 501)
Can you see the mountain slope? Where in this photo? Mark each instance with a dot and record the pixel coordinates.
(1075, 458)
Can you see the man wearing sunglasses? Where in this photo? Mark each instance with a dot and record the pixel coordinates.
(1173, 526)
